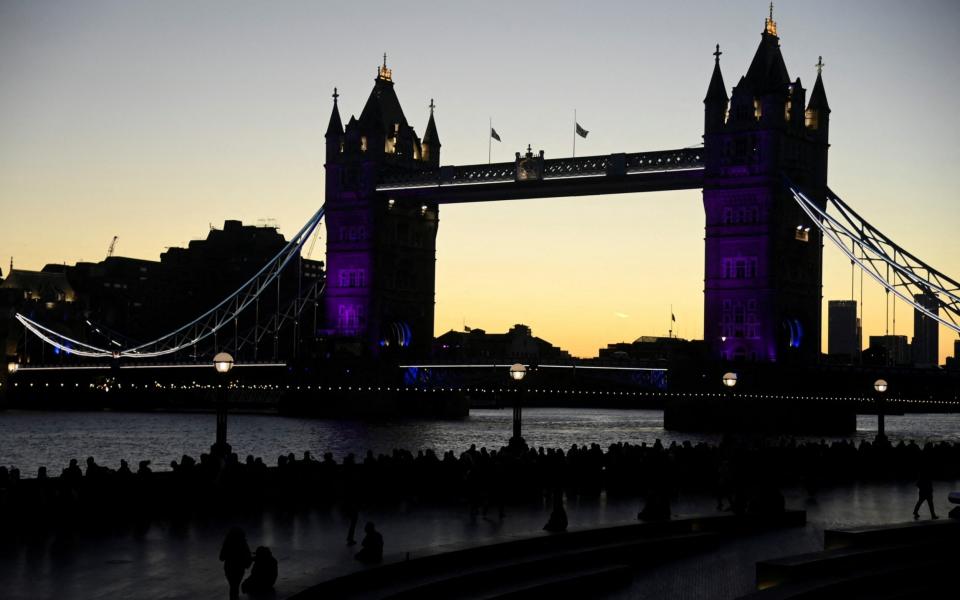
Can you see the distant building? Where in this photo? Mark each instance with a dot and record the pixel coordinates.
(40, 295)
(652, 351)
(926, 339)
(476, 345)
(953, 362)
(844, 341)
(40, 286)
(122, 300)
(888, 350)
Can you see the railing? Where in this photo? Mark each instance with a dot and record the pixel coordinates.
(557, 168)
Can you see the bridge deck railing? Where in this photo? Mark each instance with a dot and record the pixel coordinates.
(558, 168)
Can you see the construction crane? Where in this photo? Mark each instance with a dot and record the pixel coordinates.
(113, 245)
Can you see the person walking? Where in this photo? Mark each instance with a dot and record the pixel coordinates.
(925, 493)
(235, 555)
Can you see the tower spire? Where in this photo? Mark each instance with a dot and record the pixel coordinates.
(820, 65)
(383, 72)
(335, 126)
(769, 25)
(717, 90)
(431, 139)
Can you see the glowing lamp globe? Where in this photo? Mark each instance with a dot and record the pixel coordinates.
(729, 379)
(880, 385)
(12, 367)
(223, 362)
(517, 371)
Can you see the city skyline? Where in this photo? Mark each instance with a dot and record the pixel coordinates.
(80, 143)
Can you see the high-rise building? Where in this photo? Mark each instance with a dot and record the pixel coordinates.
(843, 331)
(926, 330)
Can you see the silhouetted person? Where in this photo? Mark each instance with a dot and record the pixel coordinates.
(925, 492)
(235, 555)
(351, 501)
(372, 543)
(263, 574)
(558, 518)
(724, 485)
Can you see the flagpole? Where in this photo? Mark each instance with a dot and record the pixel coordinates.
(670, 333)
(489, 139)
(574, 133)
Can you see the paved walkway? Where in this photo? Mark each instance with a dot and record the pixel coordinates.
(173, 561)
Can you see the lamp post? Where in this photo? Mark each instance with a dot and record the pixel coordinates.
(880, 386)
(222, 362)
(729, 380)
(517, 373)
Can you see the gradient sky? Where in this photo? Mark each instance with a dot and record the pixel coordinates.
(152, 120)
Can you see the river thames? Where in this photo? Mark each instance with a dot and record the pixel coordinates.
(29, 439)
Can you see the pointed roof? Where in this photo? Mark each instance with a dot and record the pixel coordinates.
(768, 72)
(818, 97)
(430, 136)
(383, 106)
(716, 91)
(336, 125)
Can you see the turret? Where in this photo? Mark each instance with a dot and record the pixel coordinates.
(430, 147)
(716, 101)
(334, 133)
(818, 111)
(793, 112)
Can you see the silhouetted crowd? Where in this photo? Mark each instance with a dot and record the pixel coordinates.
(744, 474)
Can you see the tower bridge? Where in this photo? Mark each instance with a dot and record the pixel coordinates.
(762, 170)
(762, 280)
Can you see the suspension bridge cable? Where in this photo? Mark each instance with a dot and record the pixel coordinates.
(203, 326)
(872, 241)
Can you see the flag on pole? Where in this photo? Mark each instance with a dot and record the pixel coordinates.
(581, 131)
(494, 134)
(673, 318)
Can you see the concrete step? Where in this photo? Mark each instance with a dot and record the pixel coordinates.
(519, 571)
(577, 583)
(400, 570)
(918, 579)
(841, 560)
(894, 533)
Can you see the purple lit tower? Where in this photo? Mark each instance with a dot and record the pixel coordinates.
(763, 271)
(380, 253)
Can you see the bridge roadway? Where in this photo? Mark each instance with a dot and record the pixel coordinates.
(536, 177)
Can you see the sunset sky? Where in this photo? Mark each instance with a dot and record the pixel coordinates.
(153, 120)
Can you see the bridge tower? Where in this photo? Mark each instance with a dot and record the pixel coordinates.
(380, 252)
(763, 267)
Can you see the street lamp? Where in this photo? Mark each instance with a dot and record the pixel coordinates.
(517, 373)
(729, 379)
(880, 386)
(222, 362)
